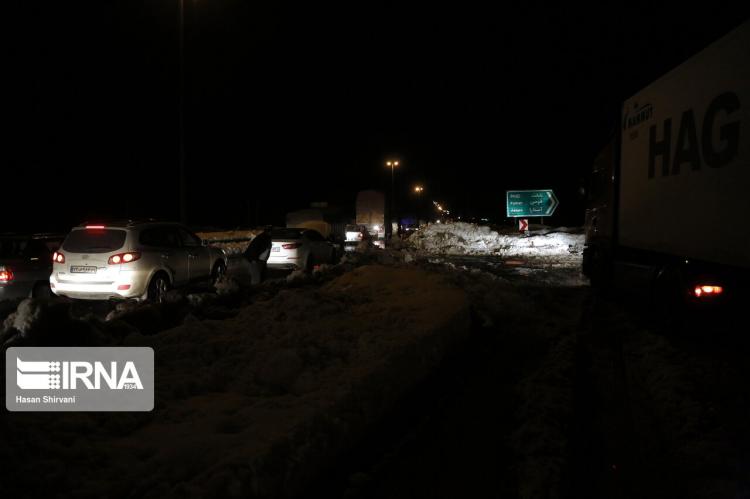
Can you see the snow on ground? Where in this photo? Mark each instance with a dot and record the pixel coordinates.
(252, 405)
(685, 393)
(233, 242)
(272, 369)
(459, 238)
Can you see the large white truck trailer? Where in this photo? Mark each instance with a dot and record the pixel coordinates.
(669, 197)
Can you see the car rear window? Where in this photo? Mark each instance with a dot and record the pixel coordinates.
(10, 248)
(283, 234)
(94, 241)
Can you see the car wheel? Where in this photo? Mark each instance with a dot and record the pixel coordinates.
(41, 290)
(157, 288)
(218, 272)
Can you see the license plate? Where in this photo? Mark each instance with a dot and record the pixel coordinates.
(275, 249)
(78, 269)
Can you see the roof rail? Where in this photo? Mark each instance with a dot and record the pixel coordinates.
(122, 222)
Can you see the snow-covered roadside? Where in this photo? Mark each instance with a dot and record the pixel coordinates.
(701, 447)
(561, 244)
(542, 323)
(256, 404)
(233, 242)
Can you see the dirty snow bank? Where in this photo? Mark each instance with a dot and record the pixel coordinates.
(460, 238)
(541, 324)
(254, 405)
(703, 448)
(233, 242)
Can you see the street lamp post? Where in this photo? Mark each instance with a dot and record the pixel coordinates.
(418, 190)
(183, 179)
(393, 165)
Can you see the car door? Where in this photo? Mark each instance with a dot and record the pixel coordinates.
(165, 250)
(199, 258)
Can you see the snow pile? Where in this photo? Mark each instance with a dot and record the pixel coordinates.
(42, 322)
(703, 450)
(27, 315)
(233, 242)
(460, 238)
(541, 442)
(254, 405)
(226, 285)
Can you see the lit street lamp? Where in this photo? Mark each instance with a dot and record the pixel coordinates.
(392, 165)
(418, 189)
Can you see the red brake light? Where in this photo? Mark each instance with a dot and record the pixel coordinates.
(94, 227)
(58, 257)
(128, 257)
(291, 245)
(6, 275)
(707, 290)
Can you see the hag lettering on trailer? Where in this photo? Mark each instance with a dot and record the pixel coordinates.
(688, 148)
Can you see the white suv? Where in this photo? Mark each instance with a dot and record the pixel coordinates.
(140, 260)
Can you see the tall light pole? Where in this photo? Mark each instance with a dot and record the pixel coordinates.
(393, 165)
(183, 179)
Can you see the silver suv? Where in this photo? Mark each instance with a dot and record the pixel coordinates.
(140, 260)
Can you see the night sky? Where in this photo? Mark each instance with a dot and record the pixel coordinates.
(287, 104)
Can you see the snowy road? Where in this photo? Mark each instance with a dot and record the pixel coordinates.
(664, 409)
(558, 392)
(583, 397)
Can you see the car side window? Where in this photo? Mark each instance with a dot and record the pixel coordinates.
(36, 249)
(150, 237)
(159, 237)
(189, 239)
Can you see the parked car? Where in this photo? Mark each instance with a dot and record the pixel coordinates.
(26, 264)
(299, 249)
(140, 260)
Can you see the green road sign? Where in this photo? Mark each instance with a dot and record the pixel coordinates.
(538, 203)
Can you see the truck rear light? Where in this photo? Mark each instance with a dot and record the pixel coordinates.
(123, 287)
(6, 275)
(58, 257)
(291, 245)
(128, 257)
(705, 290)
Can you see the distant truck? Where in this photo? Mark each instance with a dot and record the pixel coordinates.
(370, 212)
(669, 198)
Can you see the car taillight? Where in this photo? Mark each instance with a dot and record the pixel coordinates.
(128, 257)
(6, 275)
(706, 290)
(58, 257)
(291, 245)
